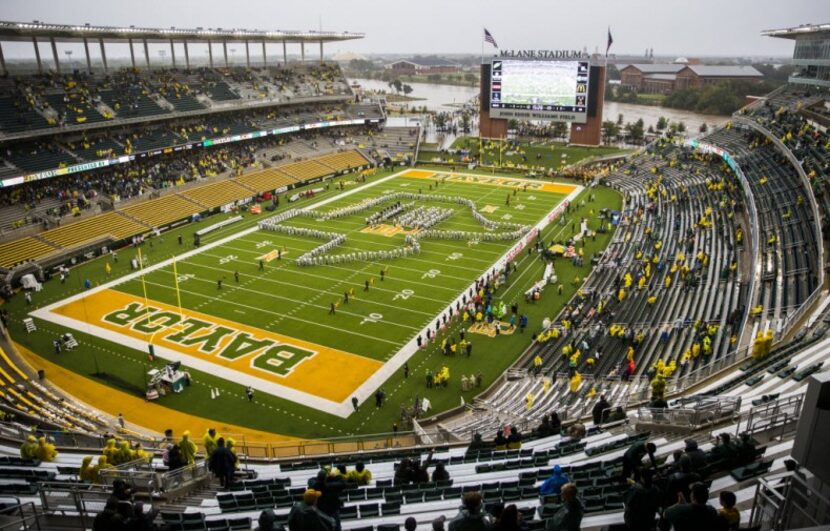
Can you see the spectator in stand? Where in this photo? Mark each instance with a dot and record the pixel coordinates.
(728, 513)
(695, 455)
(601, 410)
(500, 440)
(680, 482)
(174, 457)
(331, 486)
(576, 431)
(510, 519)
(305, 515)
(745, 449)
(633, 459)
(142, 521)
(725, 454)
(403, 472)
(555, 423)
(109, 519)
(569, 516)
(642, 502)
(514, 440)
(410, 524)
(440, 473)
(470, 517)
(419, 473)
(695, 516)
(553, 485)
(360, 475)
(222, 463)
(544, 429)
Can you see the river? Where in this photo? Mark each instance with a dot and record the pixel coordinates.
(449, 97)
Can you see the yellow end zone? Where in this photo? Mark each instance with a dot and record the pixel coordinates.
(321, 371)
(508, 182)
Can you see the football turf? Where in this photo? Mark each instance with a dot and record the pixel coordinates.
(295, 301)
(127, 367)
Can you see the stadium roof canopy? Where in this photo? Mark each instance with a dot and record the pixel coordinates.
(798, 31)
(24, 31)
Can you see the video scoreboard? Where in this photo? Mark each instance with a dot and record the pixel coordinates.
(539, 90)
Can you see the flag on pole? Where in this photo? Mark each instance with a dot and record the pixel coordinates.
(610, 41)
(489, 38)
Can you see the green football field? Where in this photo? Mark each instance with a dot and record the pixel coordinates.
(295, 301)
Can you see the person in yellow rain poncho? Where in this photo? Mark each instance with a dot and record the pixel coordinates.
(124, 453)
(641, 283)
(652, 299)
(230, 444)
(546, 384)
(592, 392)
(187, 449)
(695, 349)
(103, 464)
(139, 453)
(529, 398)
(87, 471)
(667, 281)
(537, 363)
(110, 451)
(576, 381)
(28, 450)
(762, 343)
(209, 441)
(45, 450)
(628, 280)
(621, 295)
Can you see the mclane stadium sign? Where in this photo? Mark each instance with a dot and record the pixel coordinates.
(544, 54)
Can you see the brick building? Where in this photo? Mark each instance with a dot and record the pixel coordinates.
(666, 78)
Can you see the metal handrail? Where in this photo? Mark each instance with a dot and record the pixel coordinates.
(779, 413)
(788, 502)
(24, 521)
(708, 412)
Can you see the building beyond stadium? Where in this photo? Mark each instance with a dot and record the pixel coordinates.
(811, 55)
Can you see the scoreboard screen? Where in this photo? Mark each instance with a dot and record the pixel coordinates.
(539, 90)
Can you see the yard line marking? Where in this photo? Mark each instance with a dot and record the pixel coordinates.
(287, 314)
(315, 323)
(322, 291)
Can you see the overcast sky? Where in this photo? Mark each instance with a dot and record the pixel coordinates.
(671, 27)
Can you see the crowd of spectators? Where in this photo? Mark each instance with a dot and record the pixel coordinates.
(74, 193)
(57, 99)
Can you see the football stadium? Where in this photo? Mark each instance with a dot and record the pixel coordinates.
(251, 279)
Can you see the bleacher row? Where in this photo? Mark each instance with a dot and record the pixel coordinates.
(50, 100)
(20, 394)
(141, 217)
(72, 149)
(787, 228)
(668, 193)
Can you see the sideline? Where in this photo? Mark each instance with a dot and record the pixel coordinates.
(148, 415)
(365, 391)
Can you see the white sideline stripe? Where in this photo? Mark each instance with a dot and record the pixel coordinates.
(342, 409)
